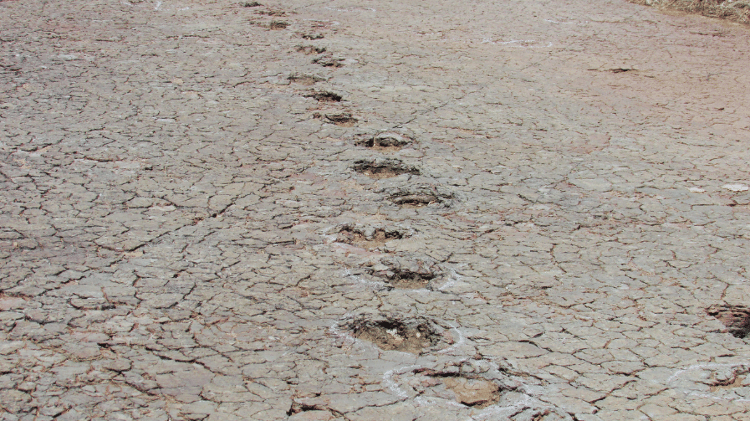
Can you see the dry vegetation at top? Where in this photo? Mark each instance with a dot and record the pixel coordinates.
(736, 10)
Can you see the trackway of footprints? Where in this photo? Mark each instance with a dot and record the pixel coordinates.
(415, 272)
(404, 272)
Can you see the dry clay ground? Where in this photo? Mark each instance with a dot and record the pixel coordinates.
(372, 210)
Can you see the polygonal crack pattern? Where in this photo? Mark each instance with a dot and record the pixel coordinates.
(386, 142)
(735, 318)
(393, 334)
(383, 168)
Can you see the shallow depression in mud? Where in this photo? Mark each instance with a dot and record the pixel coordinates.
(324, 96)
(735, 318)
(419, 195)
(470, 390)
(310, 49)
(385, 142)
(415, 200)
(341, 119)
(473, 383)
(368, 238)
(413, 336)
(403, 278)
(328, 61)
(306, 80)
(406, 279)
(383, 168)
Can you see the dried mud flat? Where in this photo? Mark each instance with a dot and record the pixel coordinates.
(350, 210)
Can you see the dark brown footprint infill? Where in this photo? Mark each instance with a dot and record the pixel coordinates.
(305, 79)
(735, 318)
(341, 119)
(385, 142)
(324, 96)
(383, 168)
(367, 238)
(394, 334)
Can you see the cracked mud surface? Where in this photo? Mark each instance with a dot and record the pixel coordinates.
(172, 201)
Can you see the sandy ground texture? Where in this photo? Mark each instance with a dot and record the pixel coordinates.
(372, 210)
